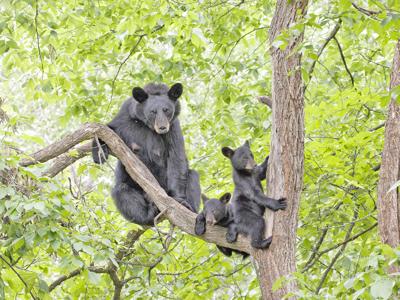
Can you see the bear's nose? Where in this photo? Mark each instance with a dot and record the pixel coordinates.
(162, 128)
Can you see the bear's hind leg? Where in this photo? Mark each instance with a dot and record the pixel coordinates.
(193, 190)
(133, 205)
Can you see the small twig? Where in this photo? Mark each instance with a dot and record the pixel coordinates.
(344, 60)
(316, 247)
(327, 40)
(125, 60)
(18, 275)
(71, 191)
(37, 36)
(335, 258)
(349, 239)
(377, 127)
(369, 13)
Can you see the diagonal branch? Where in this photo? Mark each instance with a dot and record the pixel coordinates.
(175, 212)
(67, 159)
(327, 40)
(337, 255)
(344, 61)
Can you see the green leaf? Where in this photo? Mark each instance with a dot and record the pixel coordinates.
(382, 288)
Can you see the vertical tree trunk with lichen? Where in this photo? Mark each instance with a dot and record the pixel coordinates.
(285, 173)
(388, 202)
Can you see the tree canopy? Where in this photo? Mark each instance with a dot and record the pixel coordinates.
(71, 62)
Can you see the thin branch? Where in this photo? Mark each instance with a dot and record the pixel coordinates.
(327, 40)
(369, 13)
(126, 59)
(37, 36)
(344, 61)
(63, 278)
(377, 127)
(120, 67)
(18, 275)
(349, 239)
(335, 258)
(176, 213)
(316, 247)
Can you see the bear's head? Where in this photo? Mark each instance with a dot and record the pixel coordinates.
(157, 105)
(242, 158)
(215, 210)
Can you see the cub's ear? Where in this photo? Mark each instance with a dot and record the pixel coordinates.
(225, 198)
(139, 94)
(175, 91)
(204, 198)
(228, 152)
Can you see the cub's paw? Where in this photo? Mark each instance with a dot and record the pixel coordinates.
(225, 251)
(266, 243)
(231, 237)
(263, 244)
(199, 227)
(280, 204)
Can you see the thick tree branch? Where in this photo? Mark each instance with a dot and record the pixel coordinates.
(67, 159)
(175, 212)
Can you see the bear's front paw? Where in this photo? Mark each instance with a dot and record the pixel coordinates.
(282, 203)
(184, 203)
(199, 227)
(231, 237)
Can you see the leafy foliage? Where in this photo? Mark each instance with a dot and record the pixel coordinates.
(65, 63)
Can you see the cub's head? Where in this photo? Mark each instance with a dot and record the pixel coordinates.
(242, 158)
(215, 210)
(157, 105)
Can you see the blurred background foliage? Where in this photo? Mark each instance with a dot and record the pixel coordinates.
(64, 63)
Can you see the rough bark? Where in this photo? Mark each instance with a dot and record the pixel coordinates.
(285, 172)
(171, 209)
(388, 202)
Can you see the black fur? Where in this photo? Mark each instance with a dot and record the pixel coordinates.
(216, 212)
(148, 123)
(249, 201)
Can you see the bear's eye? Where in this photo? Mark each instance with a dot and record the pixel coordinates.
(153, 112)
(165, 110)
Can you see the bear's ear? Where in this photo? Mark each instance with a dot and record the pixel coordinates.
(175, 91)
(204, 198)
(247, 143)
(139, 94)
(225, 198)
(228, 152)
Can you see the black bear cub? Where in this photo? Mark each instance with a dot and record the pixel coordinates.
(148, 123)
(216, 212)
(249, 201)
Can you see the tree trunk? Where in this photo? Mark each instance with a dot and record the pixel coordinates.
(285, 173)
(388, 203)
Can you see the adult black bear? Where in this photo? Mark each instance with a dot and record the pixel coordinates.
(216, 212)
(249, 201)
(148, 123)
